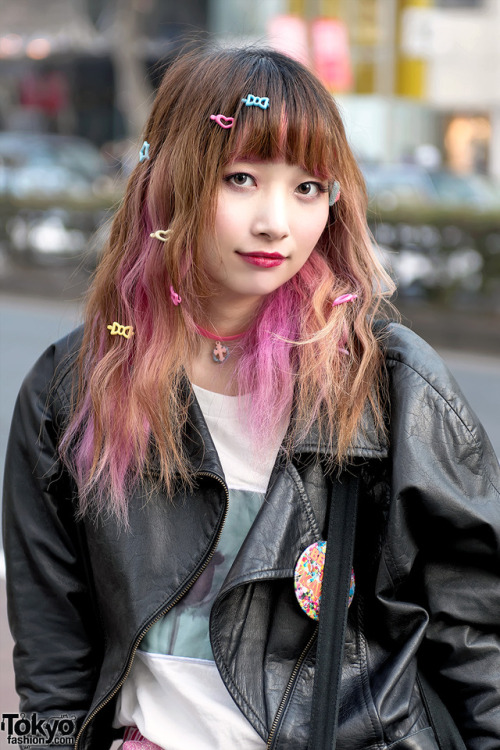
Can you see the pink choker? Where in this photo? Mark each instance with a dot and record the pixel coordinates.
(219, 353)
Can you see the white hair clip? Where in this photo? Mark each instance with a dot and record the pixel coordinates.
(334, 193)
(161, 234)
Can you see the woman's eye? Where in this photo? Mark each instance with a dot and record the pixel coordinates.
(310, 189)
(240, 179)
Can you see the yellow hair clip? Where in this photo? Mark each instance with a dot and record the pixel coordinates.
(118, 330)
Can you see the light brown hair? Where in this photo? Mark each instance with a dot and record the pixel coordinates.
(130, 393)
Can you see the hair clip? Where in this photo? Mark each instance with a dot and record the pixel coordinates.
(256, 101)
(161, 234)
(334, 193)
(175, 297)
(344, 298)
(144, 152)
(223, 121)
(342, 342)
(118, 330)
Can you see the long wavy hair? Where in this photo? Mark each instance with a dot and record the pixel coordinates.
(131, 404)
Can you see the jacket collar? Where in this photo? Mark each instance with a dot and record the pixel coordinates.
(202, 453)
(368, 442)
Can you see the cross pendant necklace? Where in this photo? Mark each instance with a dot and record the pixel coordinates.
(220, 352)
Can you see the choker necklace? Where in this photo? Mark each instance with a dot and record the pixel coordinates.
(219, 353)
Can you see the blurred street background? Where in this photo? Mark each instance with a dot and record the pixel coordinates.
(417, 83)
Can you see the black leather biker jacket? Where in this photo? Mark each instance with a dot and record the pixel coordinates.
(82, 593)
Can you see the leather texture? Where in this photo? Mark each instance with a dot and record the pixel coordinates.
(427, 561)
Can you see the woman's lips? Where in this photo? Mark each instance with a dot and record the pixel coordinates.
(264, 260)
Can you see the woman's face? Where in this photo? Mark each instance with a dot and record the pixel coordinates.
(269, 218)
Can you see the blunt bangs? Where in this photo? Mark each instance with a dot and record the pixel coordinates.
(301, 124)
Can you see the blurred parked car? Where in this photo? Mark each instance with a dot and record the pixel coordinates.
(393, 186)
(475, 191)
(49, 165)
(55, 192)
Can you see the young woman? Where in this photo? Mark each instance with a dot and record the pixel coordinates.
(172, 463)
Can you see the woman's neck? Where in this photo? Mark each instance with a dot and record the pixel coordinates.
(223, 317)
(213, 376)
(229, 316)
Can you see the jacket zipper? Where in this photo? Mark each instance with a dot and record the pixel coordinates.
(288, 689)
(161, 614)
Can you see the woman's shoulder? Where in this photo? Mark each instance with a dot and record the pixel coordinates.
(51, 378)
(426, 400)
(412, 362)
(403, 346)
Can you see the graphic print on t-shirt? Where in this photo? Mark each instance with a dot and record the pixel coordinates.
(184, 630)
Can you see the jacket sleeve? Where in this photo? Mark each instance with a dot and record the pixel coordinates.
(50, 606)
(446, 503)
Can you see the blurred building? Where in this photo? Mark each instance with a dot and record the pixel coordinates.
(406, 72)
(421, 71)
(87, 67)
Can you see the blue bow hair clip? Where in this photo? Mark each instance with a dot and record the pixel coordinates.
(256, 101)
(144, 152)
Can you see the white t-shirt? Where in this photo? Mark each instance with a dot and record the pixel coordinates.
(174, 694)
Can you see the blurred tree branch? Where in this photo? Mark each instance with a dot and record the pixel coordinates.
(123, 31)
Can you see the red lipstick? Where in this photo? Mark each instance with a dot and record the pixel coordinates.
(264, 260)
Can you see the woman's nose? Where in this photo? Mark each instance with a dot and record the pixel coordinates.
(271, 218)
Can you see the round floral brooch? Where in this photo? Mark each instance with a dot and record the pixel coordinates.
(309, 576)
